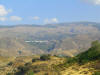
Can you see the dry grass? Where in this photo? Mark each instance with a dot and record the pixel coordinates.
(79, 70)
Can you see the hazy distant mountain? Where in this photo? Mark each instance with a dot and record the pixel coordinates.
(62, 38)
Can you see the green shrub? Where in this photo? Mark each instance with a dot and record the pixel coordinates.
(10, 74)
(96, 73)
(10, 63)
(72, 60)
(45, 57)
(46, 74)
(28, 64)
(30, 73)
(35, 59)
(22, 70)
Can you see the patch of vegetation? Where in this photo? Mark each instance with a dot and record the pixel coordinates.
(93, 53)
(30, 73)
(10, 64)
(22, 70)
(27, 64)
(97, 73)
(35, 59)
(10, 74)
(45, 57)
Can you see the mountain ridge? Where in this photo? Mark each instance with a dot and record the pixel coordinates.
(66, 38)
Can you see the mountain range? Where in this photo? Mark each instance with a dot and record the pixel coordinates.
(62, 38)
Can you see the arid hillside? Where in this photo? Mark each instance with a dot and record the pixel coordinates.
(64, 38)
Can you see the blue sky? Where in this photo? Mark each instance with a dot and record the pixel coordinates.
(48, 11)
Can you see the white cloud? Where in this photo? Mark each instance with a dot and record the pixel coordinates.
(36, 18)
(3, 19)
(46, 21)
(15, 18)
(3, 11)
(96, 2)
(53, 20)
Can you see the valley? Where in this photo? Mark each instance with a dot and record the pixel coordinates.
(64, 38)
(49, 37)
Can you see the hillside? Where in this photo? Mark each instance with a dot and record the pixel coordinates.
(31, 65)
(63, 38)
(85, 63)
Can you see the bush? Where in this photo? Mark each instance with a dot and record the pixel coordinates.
(96, 73)
(35, 59)
(30, 73)
(72, 60)
(28, 64)
(22, 70)
(10, 74)
(10, 63)
(46, 74)
(45, 57)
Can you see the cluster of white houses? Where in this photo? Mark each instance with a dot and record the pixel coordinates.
(38, 41)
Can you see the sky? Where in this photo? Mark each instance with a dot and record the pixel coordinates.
(14, 12)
